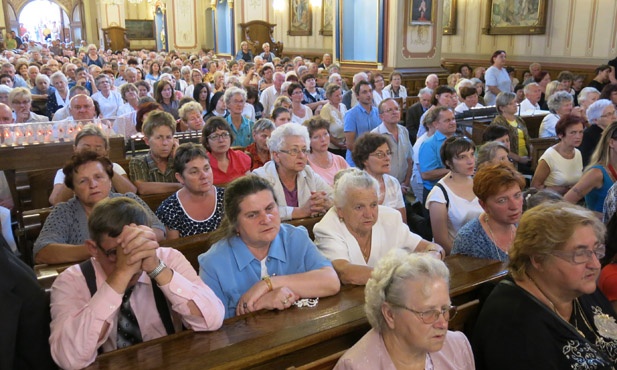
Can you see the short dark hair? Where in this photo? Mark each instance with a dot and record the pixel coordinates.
(441, 90)
(110, 216)
(356, 88)
(602, 67)
(293, 86)
(187, 152)
(276, 112)
(213, 124)
(78, 160)
(494, 132)
(467, 91)
(365, 145)
(452, 147)
(235, 193)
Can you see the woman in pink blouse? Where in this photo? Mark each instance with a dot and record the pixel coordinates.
(324, 163)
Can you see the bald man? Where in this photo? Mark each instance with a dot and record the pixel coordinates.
(432, 81)
(81, 107)
(6, 115)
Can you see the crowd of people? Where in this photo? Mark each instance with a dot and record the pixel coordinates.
(397, 188)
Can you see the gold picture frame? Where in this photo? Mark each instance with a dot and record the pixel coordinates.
(300, 18)
(422, 12)
(449, 17)
(327, 15)
(507, 17)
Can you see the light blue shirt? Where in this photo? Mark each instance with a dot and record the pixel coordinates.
(230, 269)
(244, 135)
(358, 120)
(429, 157)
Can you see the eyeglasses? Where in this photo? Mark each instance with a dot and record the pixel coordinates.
(611, 114)
(392, 110)
(581, 256)
(110, 253)
(381, 155)
(295, 152)
(215, 137)
(430, 316)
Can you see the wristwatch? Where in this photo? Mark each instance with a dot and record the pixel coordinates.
(157, 270)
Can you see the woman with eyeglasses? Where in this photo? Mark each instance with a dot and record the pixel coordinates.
(357, 232)
(372, 153)
(198, 206)
(408, 306)
(452, 202)
(227, 164)
(600, 114)
(599, 175)
(298, 190)
(549, 314)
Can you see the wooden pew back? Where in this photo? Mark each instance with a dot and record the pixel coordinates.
(537, 147)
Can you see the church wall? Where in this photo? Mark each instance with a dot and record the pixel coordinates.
(577, 32)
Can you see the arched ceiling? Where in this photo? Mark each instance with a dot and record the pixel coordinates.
(66, 5)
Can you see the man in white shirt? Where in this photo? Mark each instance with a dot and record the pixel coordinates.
(532, 97)
(269, 95)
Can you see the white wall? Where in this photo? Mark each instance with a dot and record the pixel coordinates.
(584, 31)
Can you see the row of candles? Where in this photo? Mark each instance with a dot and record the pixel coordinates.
(19, 134)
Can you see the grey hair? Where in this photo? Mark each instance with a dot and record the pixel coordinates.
(388, 281)
(189, 107)
(166, 76)
(425, 90)
(463, 82)
(359, 77)
(185, 69)
(333, 76)
(475, 81)
(230, 92)
(504, 98)
(41, 76)
(58, 75)
(528, 87)
(557, 99)
(302, 69)
(352, 178)
(4, 89)
(487, 152)
(595, 110)
(582, 96)
(263, 124)
(278, 136)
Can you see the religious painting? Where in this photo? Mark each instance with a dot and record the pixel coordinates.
(327, 15)
(300, 18)
(421, 12)
(449, 17)
(523, 17)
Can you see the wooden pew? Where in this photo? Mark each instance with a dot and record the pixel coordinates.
(293, 337)
(537, 147)
(326, 363)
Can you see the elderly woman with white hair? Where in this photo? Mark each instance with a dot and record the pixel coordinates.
(191, 119)
(587, 96)
(60, 98)
(20, 100)
(357, 232)
(235, 98)
(559, 104)
(299, 191)
(408, 306)
(4, 94)
(600, 114)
